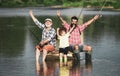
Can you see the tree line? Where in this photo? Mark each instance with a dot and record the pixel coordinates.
(63, 3)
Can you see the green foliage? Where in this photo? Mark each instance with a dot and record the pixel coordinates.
(116, 5)
(64, 3)
(72, 4)
(87, 4)
(51, 2)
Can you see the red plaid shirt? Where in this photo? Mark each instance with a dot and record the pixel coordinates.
(75, 34)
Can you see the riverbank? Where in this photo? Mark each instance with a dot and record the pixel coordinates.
(51, 11)
(63, 3)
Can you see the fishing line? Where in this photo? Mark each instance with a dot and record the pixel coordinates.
(28, 28)
(102, 8)
(32, 33)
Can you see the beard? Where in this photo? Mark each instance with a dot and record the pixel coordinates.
(47, 26)
(72, 24)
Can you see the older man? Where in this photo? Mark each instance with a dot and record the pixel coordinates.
(48, 41)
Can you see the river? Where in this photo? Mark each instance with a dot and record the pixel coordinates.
(17, 43)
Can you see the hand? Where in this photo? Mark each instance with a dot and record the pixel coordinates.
(41, 43)
(58, 29)
(58, 13)
(30, 12)
(96, 17)
(73, 26)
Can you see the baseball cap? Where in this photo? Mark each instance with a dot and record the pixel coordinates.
(48, 19)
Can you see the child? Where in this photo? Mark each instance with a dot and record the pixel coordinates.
(63, 37)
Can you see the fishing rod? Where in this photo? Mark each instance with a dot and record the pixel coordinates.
(102, 8)
(98, 11)
(32, 33)
(81, 11)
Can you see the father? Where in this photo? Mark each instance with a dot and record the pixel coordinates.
(74, 39)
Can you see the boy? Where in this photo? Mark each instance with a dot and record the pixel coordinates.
(63, 37)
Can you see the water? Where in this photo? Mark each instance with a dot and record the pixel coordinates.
(17, 47)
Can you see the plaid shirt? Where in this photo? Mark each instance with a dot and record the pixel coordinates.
(49, 35)
(75, 34)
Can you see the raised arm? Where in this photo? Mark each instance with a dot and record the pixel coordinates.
(59, 15)
(92, 20)
(39, 24)
(58, 32)
(71, 29)
(84, 25)
(32, 16)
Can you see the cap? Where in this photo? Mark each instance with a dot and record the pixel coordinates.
(48, 19)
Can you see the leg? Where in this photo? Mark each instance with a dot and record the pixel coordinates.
(46, 49)
(44, 55)
(76, 52)
(72, 49)
(65, 59)
(88, 50)
(37, 55)
(61, 57)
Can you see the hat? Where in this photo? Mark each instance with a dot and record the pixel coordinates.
(48, 19)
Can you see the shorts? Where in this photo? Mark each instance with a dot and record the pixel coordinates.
(64, 50)
(80, 48)
(48, 47)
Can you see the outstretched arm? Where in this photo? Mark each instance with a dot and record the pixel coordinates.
(58, 32)
(59, 15)
(32, 16)
(39, 24)
(92, 20)
(88, 22)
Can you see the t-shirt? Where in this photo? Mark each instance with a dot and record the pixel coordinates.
(64, 41)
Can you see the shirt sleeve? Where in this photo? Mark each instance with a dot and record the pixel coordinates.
(82, 27)
(39, 24)
(66, 25)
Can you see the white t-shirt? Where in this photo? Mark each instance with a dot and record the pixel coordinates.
(64, 41)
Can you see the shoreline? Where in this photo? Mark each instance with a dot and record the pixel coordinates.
(51, 11)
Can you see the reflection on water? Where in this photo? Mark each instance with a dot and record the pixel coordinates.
(73, 68)
(17, 52)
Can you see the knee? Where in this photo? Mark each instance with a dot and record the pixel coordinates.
(76, 47)
(88, 48)
(38, 48)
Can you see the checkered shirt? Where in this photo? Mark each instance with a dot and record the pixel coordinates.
(75, 34)
(49, 35)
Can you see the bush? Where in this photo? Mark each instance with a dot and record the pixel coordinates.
(116, 5)
(72, 4)
(87, 4)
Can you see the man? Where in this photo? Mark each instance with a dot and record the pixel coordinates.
(74, 39)
(48, 41)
